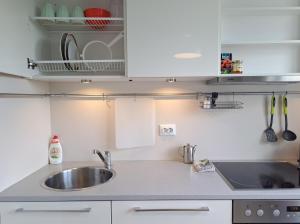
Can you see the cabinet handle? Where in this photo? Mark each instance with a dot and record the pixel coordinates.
(202, 209)
(22, 210)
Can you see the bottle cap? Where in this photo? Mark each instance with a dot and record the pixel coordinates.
(55, 139)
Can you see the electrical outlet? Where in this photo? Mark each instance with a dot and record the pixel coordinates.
(167, 130)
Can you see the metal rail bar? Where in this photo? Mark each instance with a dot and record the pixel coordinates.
(152, 95)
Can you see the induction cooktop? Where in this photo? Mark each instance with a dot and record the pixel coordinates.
(259, 175)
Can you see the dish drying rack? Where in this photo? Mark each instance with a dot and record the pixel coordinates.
(211, 103)
(78, 66)
(93, 24)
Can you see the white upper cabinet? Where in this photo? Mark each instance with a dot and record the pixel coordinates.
(25, 33)
(19, 38)
(173, 38)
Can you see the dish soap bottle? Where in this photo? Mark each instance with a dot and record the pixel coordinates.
(55, 151)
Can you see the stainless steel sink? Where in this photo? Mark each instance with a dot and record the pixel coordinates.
(78, 178)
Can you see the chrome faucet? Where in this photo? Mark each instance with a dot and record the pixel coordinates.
(105, 158)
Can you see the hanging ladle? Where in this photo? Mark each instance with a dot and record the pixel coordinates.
(287, 134)
(270, 133)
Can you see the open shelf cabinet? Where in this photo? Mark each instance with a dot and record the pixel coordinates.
(42, 41)
(264, 34)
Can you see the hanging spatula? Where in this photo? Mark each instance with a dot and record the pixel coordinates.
(270, 133)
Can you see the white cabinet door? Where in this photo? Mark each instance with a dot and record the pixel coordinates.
(55, 213)
(19, 38)
(172, 212)
(158, 31)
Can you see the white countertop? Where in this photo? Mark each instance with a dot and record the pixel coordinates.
(141, 180)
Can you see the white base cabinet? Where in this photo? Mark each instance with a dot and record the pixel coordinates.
(172, 212)
(118, 212)
(55, 213)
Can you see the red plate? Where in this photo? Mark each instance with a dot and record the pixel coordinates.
(97, 12)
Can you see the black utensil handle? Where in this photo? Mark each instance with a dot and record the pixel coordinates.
(285, 110)
(271, 121)
(274, 101)
(285, 102)
(273, 104)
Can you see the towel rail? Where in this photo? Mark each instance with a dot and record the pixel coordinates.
(104, 96)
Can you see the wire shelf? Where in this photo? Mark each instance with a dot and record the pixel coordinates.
(228, 105)
(116, 66)
(93, 24)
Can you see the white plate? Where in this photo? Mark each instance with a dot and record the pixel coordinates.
(96, 50)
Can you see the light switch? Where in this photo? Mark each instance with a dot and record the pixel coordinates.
(167, 130)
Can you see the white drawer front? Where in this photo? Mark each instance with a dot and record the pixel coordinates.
(56, 213)
(172, 212)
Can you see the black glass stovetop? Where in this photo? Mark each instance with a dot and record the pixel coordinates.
(259, 175)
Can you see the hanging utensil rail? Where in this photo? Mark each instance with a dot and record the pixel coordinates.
(104, 96)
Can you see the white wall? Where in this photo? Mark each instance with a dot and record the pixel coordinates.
(86, 124)
(24, 130)
(220, 135)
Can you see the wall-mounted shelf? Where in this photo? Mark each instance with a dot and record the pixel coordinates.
(80, 24)
(229, 105)
(275, 42)
(114, 66)
(262, 11)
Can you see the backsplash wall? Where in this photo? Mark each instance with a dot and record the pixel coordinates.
(220, 135)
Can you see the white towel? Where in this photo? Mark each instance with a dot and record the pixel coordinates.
(134, 123)
(203, 166)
